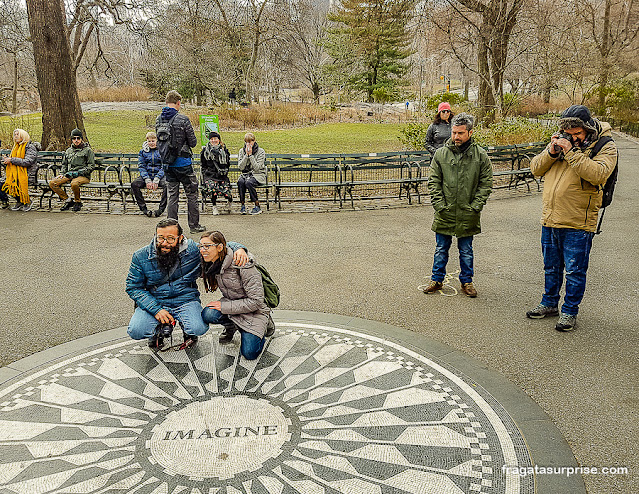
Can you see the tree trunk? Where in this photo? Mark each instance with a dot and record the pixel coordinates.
(604, 50)
(485, 97)
(61, 110)
(14, 95)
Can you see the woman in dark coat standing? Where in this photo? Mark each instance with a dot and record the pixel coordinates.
(439, 131)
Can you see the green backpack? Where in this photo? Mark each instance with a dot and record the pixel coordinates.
(271, 290)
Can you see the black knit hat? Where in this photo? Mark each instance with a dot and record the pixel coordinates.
(577, 116)
(76, 133)
(214, 134)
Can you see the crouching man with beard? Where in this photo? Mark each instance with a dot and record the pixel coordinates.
(162, 283)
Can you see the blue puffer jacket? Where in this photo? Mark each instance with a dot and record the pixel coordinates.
(150, 163)
(152, 289)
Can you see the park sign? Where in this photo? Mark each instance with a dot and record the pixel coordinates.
(208, 123)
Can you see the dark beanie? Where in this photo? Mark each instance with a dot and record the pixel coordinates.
(577, 116)
(76, 133)
(214, 134)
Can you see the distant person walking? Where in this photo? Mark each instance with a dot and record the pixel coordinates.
(78, 161)
(176, 137)
(216, 161)
(575, 165)
(439, 131)
(20, 171)
(459, 183)
(251, 161)
(151, 175)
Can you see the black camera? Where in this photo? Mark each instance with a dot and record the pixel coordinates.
(166, 330)
(563, 135)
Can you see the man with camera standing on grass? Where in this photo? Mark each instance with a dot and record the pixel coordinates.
(575, 166)
(460, 181)
(176, 137)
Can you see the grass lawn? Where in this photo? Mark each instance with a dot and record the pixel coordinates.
(125, 131)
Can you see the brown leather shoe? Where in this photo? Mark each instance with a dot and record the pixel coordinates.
(433, 287)
(469, 289)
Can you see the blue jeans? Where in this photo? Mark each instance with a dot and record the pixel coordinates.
(465, 246)
(565, 249)
(251, 345)
(189, 315)
(247, 183)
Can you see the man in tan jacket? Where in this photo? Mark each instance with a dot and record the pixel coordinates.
(573, 181)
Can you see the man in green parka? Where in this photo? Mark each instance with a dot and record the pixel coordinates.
(460, 181)
(78, 162)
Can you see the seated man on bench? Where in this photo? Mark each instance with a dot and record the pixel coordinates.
(78, 162)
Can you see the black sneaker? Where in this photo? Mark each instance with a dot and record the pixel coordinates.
(147, 212)
(226, 336)
(188, 340)
(77, 206)
(198, 229)
(67, 205)
(158, 213)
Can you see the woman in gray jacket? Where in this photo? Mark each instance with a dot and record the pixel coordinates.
(242, 305)
(251, 160)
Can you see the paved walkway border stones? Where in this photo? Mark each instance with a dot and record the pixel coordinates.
(544, 442)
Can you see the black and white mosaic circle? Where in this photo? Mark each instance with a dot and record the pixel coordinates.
(322, 410)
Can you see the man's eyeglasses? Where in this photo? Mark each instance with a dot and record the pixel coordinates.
(168, 239)
(207, 246)
(445, 111)
(76, 138)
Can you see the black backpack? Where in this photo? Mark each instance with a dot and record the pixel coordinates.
(609, 187)
(166, 140)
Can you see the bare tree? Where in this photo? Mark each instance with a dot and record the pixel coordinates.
(14, 34)
(614, 27)
(61, 110)
(305, 33)
(488, 26)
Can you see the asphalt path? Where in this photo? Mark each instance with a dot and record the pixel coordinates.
(63, 275)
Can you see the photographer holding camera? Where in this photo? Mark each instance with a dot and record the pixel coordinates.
(162, 283)
(575, 169)
(78, 162)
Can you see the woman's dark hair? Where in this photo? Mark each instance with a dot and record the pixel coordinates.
(438, 117)
(210, 283)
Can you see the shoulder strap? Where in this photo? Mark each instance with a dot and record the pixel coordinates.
(599, 145)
